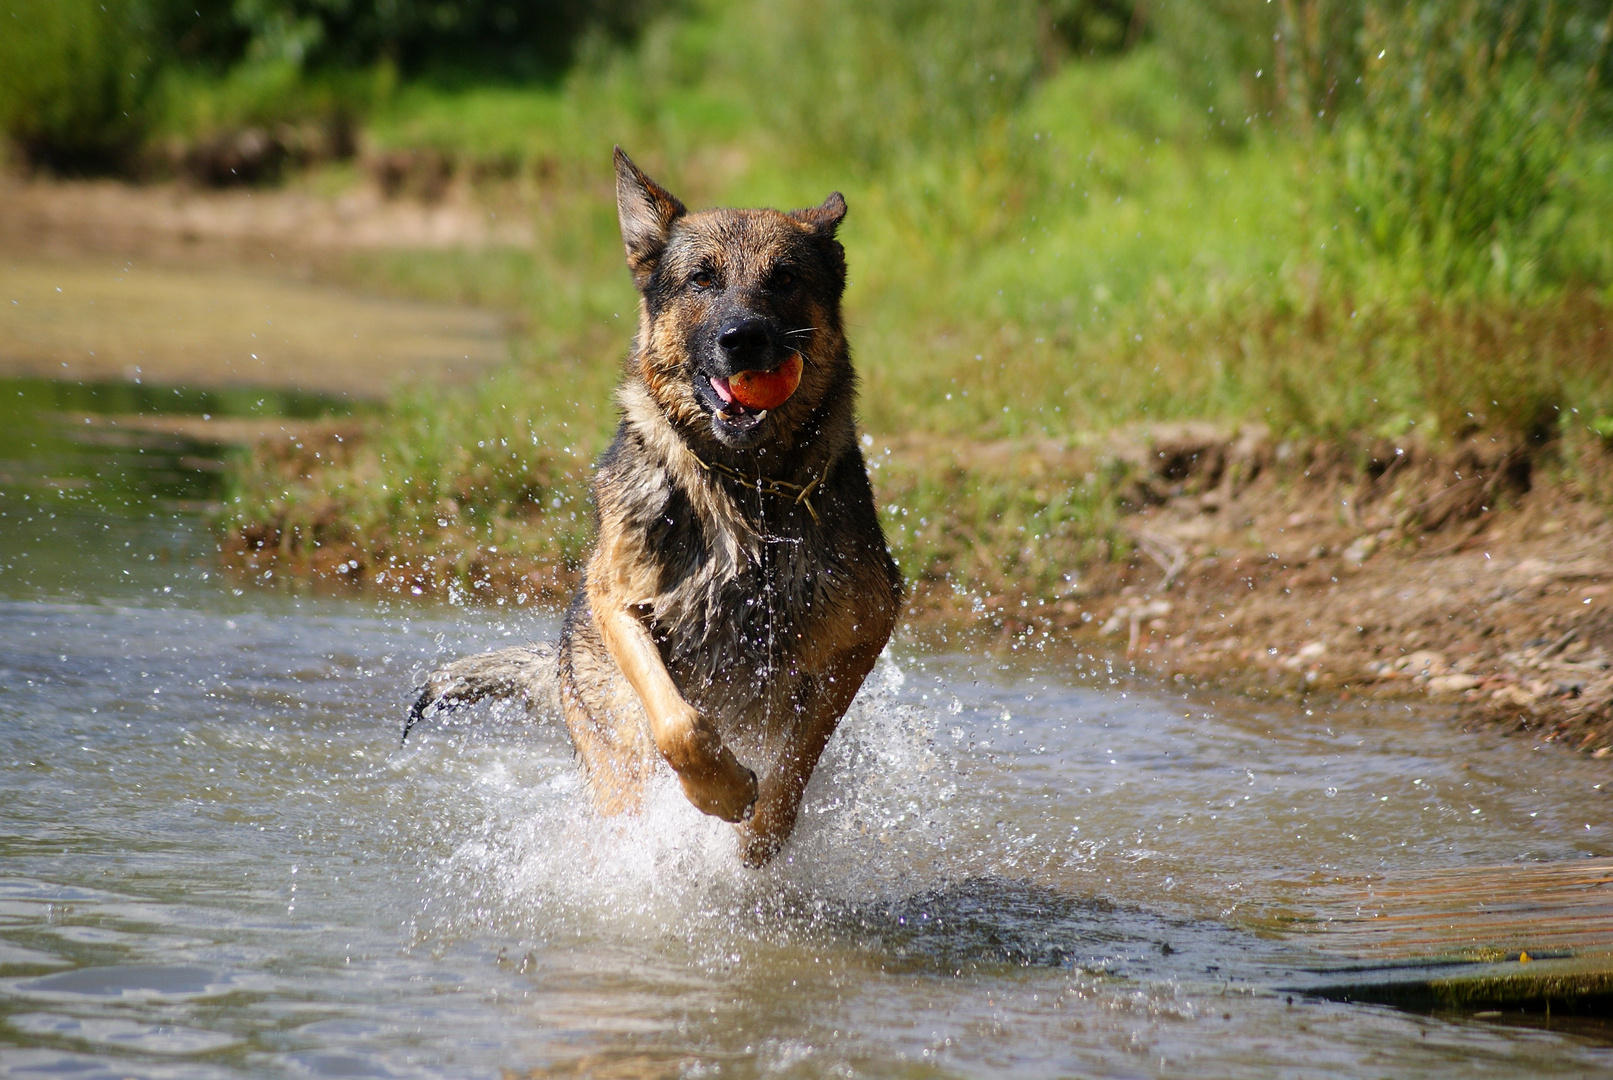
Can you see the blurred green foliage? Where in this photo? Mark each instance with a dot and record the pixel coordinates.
(1454, 161)
(74, 77)
(871, 81)
(476, 38)
(85, 84)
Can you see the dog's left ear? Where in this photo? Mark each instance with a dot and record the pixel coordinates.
(825, 219)
(646, 211)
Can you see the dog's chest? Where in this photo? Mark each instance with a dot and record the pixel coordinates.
(741, 621)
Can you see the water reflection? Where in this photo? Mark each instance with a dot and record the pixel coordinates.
(63, 439)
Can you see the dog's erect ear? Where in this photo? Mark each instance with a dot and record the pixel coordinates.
(825, 219)
(646, 211)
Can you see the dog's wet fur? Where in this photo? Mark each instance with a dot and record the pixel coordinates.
(740, 589)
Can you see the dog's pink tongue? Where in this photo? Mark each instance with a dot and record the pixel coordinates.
(720, 385)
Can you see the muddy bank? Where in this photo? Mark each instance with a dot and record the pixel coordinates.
(173, 220)
(92, 319)
(1478, 576)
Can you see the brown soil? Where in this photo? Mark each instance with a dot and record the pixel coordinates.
(1481, 577)
(176, 220)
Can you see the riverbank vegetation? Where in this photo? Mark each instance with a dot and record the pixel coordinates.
(1340, 221)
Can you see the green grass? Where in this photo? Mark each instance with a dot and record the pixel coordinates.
(1052, 253)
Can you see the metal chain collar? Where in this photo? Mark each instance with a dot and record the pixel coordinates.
(799, 494)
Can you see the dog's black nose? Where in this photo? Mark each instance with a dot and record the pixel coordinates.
(743, 339)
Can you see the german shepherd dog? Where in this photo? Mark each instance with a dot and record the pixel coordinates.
(740, 589)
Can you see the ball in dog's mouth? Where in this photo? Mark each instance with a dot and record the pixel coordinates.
(754, 393)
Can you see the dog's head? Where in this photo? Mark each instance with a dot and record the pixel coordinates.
(740, 337)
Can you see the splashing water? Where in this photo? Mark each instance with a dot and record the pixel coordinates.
(537, 859)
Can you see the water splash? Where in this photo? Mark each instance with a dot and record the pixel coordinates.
(879, 821)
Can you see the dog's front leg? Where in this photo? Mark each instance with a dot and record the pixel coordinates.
(712, 777)
(826, 701)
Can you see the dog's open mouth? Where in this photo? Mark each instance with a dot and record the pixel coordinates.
(733, 410)
(746, 397)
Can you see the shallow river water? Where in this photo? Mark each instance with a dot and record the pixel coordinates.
(216, 860)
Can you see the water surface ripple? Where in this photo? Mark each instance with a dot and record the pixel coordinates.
(217, 862)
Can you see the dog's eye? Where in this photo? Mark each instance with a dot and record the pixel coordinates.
(783, 278)
(702, 279)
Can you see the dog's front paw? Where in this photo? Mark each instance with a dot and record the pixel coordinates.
(728, 792)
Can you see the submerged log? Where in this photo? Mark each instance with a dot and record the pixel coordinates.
(1530, 937)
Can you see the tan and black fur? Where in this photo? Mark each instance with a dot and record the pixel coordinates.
(740, 589)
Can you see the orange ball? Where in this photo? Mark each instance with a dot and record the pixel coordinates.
(766, 389)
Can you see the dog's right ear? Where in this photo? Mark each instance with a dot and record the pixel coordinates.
(646, 211)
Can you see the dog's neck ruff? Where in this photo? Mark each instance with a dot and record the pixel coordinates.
(799, 494)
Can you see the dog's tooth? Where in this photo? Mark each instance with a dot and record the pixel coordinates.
(761, 414)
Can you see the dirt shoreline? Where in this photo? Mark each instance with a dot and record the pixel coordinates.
(177, 221)
(1460, 577)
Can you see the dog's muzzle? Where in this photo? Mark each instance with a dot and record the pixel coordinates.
(751, 375)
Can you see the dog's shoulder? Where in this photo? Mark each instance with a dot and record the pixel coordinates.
(629, 480)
